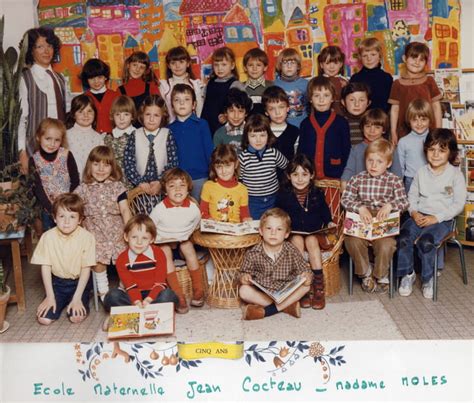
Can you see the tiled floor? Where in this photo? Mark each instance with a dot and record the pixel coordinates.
(414, 317)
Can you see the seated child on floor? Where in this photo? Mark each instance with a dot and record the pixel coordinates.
(273, 263)
(141, 268)
(66, 254)
(223, 197)
(176, 217)
(374, 191)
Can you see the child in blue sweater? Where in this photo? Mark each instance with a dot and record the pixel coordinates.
(192, 135)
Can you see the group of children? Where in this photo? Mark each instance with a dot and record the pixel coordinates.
(234, 151)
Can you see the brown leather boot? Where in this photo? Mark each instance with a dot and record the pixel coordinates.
(172, 279)
(305, 302)
(253, 312)
(318, 301)
(198, 289)
(293, 310)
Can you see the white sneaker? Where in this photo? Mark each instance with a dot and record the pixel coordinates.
(427, 289)
(406, 284)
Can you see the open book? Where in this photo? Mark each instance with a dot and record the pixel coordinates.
(132, 321)
(354, 226)
(227, 228)
(283, 293)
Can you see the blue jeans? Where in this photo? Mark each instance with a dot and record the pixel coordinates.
(407, 181)
(197, 187)
(64, 290)
(118, 297)
(259, 204)
(429, 239)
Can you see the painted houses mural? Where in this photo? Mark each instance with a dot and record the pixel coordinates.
(113, 29)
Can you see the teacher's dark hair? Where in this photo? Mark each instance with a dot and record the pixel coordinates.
(51, 38)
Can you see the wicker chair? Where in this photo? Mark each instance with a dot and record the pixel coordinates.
(330, 259)
(141, 202)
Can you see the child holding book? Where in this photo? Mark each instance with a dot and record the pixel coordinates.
(255, 66)
(66, 254)
(237, 106)
(193, 137)
(419, 117)
(437, 195)
(324, 135)
(413, 84)
(288, 67)
(307, 208)
(277, 106)
(372, 74)
(142, 269)
(223, 198)
(355, 99)
(273, 263)
(94, 76)
(374, 191)
(259, 161)
(176, 217)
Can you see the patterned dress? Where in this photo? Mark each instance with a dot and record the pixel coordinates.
(117, 144)
(103, 218)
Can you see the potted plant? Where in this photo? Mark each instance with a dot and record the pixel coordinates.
(16, 197)
(4, 297)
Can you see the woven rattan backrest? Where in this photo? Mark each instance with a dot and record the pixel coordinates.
(332, 192)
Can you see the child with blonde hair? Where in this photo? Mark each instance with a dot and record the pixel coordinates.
(105, 210)
(223, 198)
(288, 67)
(178, 71)
(53, 166)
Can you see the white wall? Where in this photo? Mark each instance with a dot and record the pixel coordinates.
(20, 15)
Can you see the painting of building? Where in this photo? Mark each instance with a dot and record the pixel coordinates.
(298, 36)
(70, 63)
(62, 13)
(106, 15)
(445, 37)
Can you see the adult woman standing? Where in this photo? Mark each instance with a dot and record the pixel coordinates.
(42, 90)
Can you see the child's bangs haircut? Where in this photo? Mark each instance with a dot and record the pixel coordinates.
(69, 202)
(139, 57)
(154, 100)
(299, 160)
(419, 108)
(139, 221)
(369, 44)
(94, 68)
(173, 174)
(277, 213)
(123, 103)
(227, 54)
(178, 53)
(238, 99)
(102, 154)
(183, 89)
(288, 54)
(320, 83)
(256, 53)
(355, 87)
(79, 103)
(382, 147)
(257, 123)
(415, 49)
(45, 125)
(331, 54)
(375, 117)
(446, 139)
(274, 94)
(223, 154)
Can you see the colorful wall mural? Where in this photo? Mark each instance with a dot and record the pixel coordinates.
(113, 29)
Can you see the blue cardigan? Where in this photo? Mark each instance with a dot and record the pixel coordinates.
(194, 144)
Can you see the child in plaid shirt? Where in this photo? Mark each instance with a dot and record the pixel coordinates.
(374, 191)
(273, 263)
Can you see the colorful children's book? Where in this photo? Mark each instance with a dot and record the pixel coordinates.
(354, 226)
(227, 228)
(283, 293)
(132, 321)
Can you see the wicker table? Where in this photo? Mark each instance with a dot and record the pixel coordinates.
(227, 253)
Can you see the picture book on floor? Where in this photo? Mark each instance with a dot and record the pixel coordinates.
(132, 321)
(227, 228)
(354, 226)
(283, 293)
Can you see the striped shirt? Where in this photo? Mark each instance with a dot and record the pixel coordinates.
(374, 192)
(260, 177)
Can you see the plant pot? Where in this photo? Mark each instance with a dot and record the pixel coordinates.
(4, 325)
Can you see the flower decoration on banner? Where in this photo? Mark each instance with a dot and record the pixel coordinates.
(285, 354)
(151, 360)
